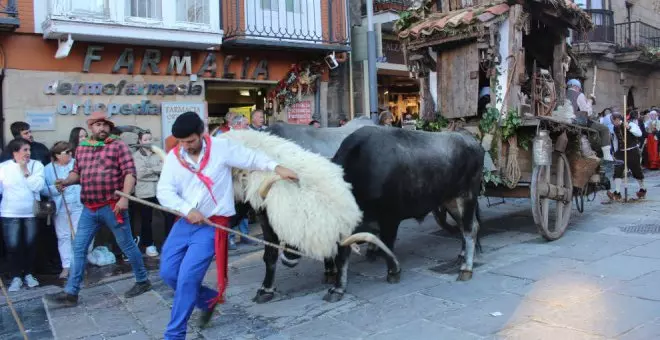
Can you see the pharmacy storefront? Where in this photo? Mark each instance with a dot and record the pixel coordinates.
(138, 86)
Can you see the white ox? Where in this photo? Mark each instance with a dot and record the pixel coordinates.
(317, 215)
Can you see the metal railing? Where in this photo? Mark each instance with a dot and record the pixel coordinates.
(603, 28)
(301, 21)
(8, 8)
(635, 35)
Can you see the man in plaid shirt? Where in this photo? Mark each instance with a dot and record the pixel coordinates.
(103, 165)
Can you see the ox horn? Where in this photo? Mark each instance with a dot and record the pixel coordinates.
(160, 152)
(371, 238)
(267, 184)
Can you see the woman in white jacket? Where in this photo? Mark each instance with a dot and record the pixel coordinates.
(59, 168)
(21, 179)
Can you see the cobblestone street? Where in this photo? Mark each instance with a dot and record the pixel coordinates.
(597, 282)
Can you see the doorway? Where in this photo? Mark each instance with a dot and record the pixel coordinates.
(223, 97)
(630, 99)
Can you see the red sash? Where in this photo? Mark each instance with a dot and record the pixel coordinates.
(221, 249)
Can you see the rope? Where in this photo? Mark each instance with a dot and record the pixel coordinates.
(13, 311)
(217, 226)
(512, 167)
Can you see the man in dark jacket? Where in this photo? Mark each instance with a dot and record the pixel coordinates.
(38, 151)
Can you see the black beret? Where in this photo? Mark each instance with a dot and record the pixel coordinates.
(187, 124)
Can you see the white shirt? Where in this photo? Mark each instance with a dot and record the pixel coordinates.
(181, 190)
(634, 130)
(20, 192)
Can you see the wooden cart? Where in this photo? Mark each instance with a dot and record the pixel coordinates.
(551, 189)
(517, 49)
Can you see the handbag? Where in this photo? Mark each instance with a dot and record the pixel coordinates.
(45, 208)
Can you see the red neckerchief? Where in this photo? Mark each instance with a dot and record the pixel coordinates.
(205, 160)
(221, 249)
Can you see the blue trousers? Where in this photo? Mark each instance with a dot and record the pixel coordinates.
(89, 223)
(185, 258)
(242, 227)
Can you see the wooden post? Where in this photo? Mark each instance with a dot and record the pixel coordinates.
(518, 57)
(625, 146)
(557, 71)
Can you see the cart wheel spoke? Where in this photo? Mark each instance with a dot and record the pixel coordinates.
(559, 187)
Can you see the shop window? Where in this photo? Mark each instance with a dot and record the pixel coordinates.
(193, 11)
(148, 9)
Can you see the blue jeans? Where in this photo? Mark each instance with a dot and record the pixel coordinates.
(185, 258)
(242, 227)
(89, 224)
(20, 235)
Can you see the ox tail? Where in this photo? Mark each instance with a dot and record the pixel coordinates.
(371, 238)
(478, 216)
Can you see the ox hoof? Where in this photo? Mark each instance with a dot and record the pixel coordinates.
(263, 296)
(329, 278)
(394, 277)
(464, 275)
(333, 296)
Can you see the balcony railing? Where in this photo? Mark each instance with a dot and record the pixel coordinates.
(636, 35)
(285, 22)
(8, 15)
(603, 31)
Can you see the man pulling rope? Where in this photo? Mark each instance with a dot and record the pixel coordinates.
(196, 181)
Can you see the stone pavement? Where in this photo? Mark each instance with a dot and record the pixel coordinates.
(600, 281)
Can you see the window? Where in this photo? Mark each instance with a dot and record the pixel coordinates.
(270, 5)
(87, 6)
(594, 4)
(150, 9)
(193, 11)
(293, 5)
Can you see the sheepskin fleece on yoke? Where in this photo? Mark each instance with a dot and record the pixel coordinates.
(313, 215)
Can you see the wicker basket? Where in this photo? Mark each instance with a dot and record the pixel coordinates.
(582, 168)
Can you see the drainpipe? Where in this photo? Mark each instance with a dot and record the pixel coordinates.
(317, 100)
(351, 102)
(2, 102)
(371, 62)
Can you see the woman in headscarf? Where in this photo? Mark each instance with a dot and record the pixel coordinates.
(652, 126)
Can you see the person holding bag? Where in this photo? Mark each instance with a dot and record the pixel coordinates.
(21, 179)
(68, 206)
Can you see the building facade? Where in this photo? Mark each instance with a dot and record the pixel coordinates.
(397, 91)
(624, 51)
(146, 61)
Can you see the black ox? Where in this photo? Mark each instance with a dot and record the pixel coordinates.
(399, 174)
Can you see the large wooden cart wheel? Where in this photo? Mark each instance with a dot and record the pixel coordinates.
(549, 186)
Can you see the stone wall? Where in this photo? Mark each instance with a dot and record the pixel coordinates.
(610, 90)
(647, 11)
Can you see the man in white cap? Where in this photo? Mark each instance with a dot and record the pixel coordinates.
(584, 113)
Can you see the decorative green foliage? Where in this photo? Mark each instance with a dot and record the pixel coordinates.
(437, 124)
